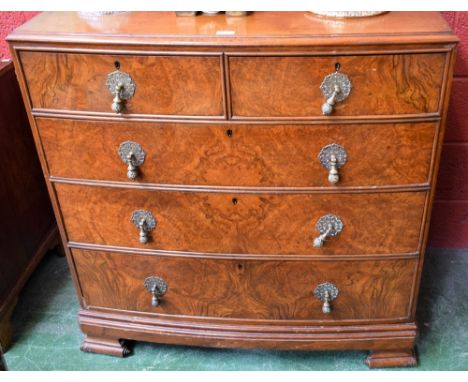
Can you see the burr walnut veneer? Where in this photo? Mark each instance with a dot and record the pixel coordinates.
(260, 182)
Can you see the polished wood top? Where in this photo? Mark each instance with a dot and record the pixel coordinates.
(256, 29)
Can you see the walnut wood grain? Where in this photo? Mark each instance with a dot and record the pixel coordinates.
(290, 86)
(430, 200)
(391, 358)
(281, 53)
(260, 155)
(268, 290)
(178, 85)
(260, 29)
(258, 224)
(103, 345)
(278, 334)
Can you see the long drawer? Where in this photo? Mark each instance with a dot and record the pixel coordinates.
(373, 223)
(163, 85)
(247, 289)
(284, 86)
(241, 155)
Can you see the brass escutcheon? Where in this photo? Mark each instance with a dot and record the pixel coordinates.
(122, 87)
(133, 156)
(326, 292)
(157, 287)
(335, 88)
(145, 222)
(332, 157)
(328, 226)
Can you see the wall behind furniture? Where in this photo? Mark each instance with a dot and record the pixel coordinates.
(449, 227)
(8, 22)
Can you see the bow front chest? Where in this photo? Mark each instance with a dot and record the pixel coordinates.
(261, 182)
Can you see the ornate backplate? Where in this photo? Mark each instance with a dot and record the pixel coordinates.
(114, 78)
(128, 147)
(332, 290)
(333, 149)
(325, 221)
(156, 285)
(147, 216)
(328, 86)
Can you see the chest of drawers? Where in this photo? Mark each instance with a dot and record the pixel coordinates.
(258, 182)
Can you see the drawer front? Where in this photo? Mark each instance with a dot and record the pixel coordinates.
(165, 85)
(247, 289)
(381, 85)
(375, 223)
(247, 155)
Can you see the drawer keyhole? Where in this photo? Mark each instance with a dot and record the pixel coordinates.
(117, 64)
(234, 201)
(229, 133)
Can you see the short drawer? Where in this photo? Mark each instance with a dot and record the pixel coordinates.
(241, 155)
(163, 85)
(374, 223)
(247, 289)
(380, 85)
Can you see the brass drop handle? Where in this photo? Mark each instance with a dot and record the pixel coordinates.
(327, 107)
(335, 88)
(328, 226)
(143, 231)
(132, 154)
(145, 222)
(320, 240)
(132, 169)
(157, 287)
(333, 176)
(326, 307)
(326, 292)
(332, 157)
(117, 102)
(122, 87)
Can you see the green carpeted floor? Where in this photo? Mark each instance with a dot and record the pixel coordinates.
(47, 337)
